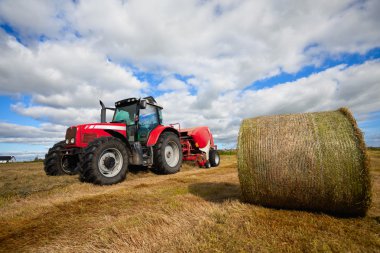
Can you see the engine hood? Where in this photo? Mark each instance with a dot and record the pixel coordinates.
(81, 135)
(103, 126)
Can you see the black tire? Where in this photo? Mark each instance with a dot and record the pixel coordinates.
(207, 165)
(161, 162)
(214, 158)
(55, 164)
(104, 162)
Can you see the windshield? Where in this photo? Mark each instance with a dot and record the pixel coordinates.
(125, 114)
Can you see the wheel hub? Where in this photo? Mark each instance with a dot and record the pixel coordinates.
(109, 162)
(172, 154)
(217, 159)
(68, 164)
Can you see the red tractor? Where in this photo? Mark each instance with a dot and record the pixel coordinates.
(101, 152)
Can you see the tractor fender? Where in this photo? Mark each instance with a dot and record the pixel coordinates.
(155, 134)
(120, 137)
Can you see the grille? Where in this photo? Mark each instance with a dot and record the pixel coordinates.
(71, 133)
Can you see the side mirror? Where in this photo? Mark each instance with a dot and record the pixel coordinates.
(143, 104)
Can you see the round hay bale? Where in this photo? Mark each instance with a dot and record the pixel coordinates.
(310, 161)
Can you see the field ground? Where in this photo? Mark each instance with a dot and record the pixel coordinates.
(196, 210)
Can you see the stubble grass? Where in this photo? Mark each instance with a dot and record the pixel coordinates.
(196, 210)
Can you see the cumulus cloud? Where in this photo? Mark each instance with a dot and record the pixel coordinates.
(47, 133)
(356, 87)
(65, 116)
(227, 43)
(66, 55)
(33, 18)
(172, 83)
(62, 74)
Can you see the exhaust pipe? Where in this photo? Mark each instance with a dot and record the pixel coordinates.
(102, 112)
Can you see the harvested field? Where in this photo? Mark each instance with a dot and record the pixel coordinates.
(192, 211)
(309, 161)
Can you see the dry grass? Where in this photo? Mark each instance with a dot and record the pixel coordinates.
(192, 211)
(313, 161)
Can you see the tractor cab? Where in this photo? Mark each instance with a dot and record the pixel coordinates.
(141, 116)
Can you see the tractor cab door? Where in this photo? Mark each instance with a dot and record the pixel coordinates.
(127, 114)
(149, 118)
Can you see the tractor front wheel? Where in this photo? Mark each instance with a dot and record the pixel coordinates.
(167, 154)
(55, 164)
(104, 162)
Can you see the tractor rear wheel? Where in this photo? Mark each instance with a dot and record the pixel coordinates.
(104, 162)
(55, 164)
(214, 158)
(167, 154)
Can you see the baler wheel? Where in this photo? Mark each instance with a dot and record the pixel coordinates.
(104, 162)
(56, 165)
(214, 158)
(167, 154)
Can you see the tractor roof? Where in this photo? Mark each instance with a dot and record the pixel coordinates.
(129, 101)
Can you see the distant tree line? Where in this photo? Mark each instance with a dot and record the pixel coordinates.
(37, 159)
(227, 151)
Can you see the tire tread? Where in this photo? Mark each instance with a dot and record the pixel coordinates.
(87, 171)
(159, 166)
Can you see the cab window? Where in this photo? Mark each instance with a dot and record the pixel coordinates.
(148, 117)
(125, 114)
(148, 120)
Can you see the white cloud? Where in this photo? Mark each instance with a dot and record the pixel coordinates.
(45, 134)
(224, 46)
(356, 87)
(172, 83)
(62, 73)
(227, 44)
(64, 116)
(247, 41)
(33, 18)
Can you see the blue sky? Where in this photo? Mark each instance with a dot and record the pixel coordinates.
(348, 59)
(207, 62)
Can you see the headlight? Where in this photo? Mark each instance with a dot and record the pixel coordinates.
(67, 141)
(72, 140)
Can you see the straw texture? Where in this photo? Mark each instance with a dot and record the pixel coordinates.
(311, 161)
